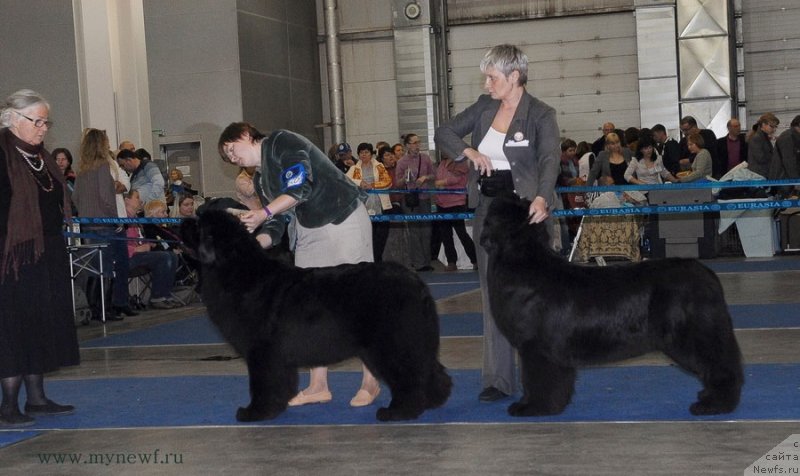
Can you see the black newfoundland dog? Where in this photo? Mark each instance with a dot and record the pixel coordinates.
(561, 316)
(280, 317)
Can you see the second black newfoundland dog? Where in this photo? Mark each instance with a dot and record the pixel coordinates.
(561, 316)
(280, 317)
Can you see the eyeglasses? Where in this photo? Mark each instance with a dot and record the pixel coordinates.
(37, 122)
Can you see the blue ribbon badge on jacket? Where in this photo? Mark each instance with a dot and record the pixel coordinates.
(293, 177)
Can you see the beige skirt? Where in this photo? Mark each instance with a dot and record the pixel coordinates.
(331, 245)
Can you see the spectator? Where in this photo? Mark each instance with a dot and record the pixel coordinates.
(732, 149)
(569, 163)
(177, 186)
(453, 175)
(668, 148)
(95, 196)
(145, 176)
(646, 167)
(688, 127)
(599, 145)
(369, 174)
(186, 206)
(344, 157)
(161, 264)
(787, 155)
(612, 162)
(701, 165)
(415, 171)
(760, 148)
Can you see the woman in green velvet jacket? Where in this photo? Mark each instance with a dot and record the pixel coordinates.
(331, 225)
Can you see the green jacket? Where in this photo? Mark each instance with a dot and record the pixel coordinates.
(292, 165)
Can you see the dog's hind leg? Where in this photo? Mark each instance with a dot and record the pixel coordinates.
(270, 381)
(438, 387)
(547, 386)
(714, 357)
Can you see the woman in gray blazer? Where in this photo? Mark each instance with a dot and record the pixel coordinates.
(515, 144)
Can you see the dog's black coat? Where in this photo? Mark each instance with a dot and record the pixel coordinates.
(280, 317)
(561, 316)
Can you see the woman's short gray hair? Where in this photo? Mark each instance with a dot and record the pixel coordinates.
(19, 101)
(507, 59)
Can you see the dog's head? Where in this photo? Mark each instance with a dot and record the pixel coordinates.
(217, 237)
(506, 228)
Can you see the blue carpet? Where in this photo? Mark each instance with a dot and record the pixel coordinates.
(199, 330)
(9, 437)
(760, 266)
(647, 393)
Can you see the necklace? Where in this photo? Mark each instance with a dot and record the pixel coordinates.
(28, 158)
(36, 175)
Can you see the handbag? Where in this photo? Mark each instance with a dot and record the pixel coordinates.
(500, 181)
(412, 198)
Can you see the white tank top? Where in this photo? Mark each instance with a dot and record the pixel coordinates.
(492, 146)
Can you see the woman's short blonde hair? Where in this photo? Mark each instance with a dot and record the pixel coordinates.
(151, 207)
(507, 59)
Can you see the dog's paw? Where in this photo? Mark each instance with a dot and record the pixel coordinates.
(396, 414)
(705, 408)
(520, 409)
(250, 414)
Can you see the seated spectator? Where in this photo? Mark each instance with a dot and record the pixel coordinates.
(168, 239)
(161, 265)
(185, 207)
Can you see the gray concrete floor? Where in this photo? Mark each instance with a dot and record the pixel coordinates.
(526, 447)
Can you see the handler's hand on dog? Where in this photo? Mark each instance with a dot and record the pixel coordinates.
(538, 211)
(253, 219)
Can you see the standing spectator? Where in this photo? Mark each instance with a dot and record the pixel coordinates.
(732, 149)
(177, 186)
(369, 174)
(415, 171)
(344, 157)
(701, 165)
(600, 144)
(668, 148)
(63, 159)
(37, 332)
(126, 145)
(389, 160)
(760, 148)
(95, 196)
(453, 175)
(585, 160)
(688, 127)
(569, 163)
(787, 154)
(517, 133)
(145, 176)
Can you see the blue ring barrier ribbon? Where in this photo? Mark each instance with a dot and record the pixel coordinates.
(440, 191)
(680, 186)
(672, 209)
(124, 221)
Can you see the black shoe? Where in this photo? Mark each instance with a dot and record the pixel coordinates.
(49, 408)
(425, 268)
(491, 394)
(126, 309)
(15, 419)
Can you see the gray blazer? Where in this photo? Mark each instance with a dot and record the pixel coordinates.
(602, 166)
(534, 166)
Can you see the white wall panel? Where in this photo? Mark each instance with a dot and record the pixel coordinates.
(772, 58)
(584, 67)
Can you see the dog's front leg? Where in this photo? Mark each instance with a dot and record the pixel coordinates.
(269, 392)
(547, 386)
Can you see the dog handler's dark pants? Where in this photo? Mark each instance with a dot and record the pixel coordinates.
(498, 355)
